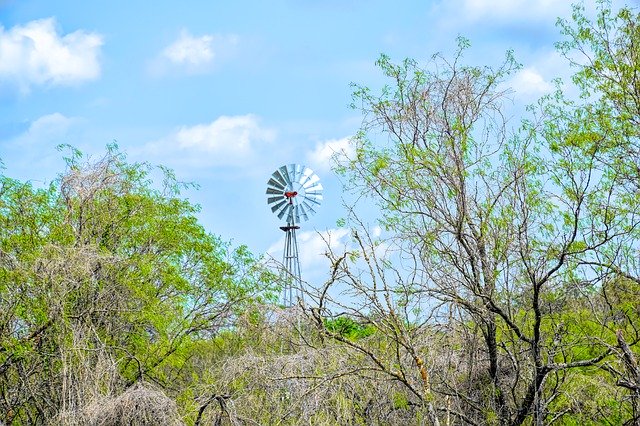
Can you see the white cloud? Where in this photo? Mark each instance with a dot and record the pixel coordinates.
(538, 77)
(523, 10)
(312, 245)
(32, 155)
(228, 140)
(528, 82)
(35, 54)
(190, 50)
(43, 135)
(48, 128)
(197, 54)
(514, 9)
(325, 152)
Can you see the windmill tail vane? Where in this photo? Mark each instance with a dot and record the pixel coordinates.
(294, 192)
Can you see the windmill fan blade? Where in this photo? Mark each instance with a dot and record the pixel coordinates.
(303, 212)
(272, 200)
(276, 183)
(315, 200)
(296, 213)
(315, 197)
(316, 191)
(311, 181)
(277, 206)
(274, 191)
(280, 178)
(314, 194)
(287, 209)
(315, 187)
(281, 212)
(285, 175)
(305, 203)
(307, 174)
(293, 173)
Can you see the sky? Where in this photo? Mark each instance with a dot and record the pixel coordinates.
(225, 92)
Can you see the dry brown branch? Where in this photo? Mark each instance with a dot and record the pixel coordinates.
(140, 405)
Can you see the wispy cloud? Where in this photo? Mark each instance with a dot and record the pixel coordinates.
(226, 141)
(195, 54)
(48, 128)
(529, 83)
(514, 9)
(36, 54)
(40, 139)
(312, 246)
(541, 72)
(324, 153)
(32, 154)
(190, 50)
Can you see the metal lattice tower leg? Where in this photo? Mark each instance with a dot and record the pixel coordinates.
(291, 263)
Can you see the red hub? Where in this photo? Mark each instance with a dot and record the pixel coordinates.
(291, 194)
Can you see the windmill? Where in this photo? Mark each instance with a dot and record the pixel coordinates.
(293, 192)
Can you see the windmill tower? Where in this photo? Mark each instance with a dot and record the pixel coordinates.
(293, 193)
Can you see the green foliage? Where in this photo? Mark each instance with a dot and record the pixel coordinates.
(349, 328)
(103, 264)
(519, 231)
(606, 55)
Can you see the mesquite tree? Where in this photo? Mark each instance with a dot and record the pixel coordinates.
(508, 228)
(106, 280)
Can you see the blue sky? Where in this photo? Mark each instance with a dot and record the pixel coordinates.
(226, 92)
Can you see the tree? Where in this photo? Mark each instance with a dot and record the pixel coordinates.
(606, 55)
(107, 280)
(502, 227)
